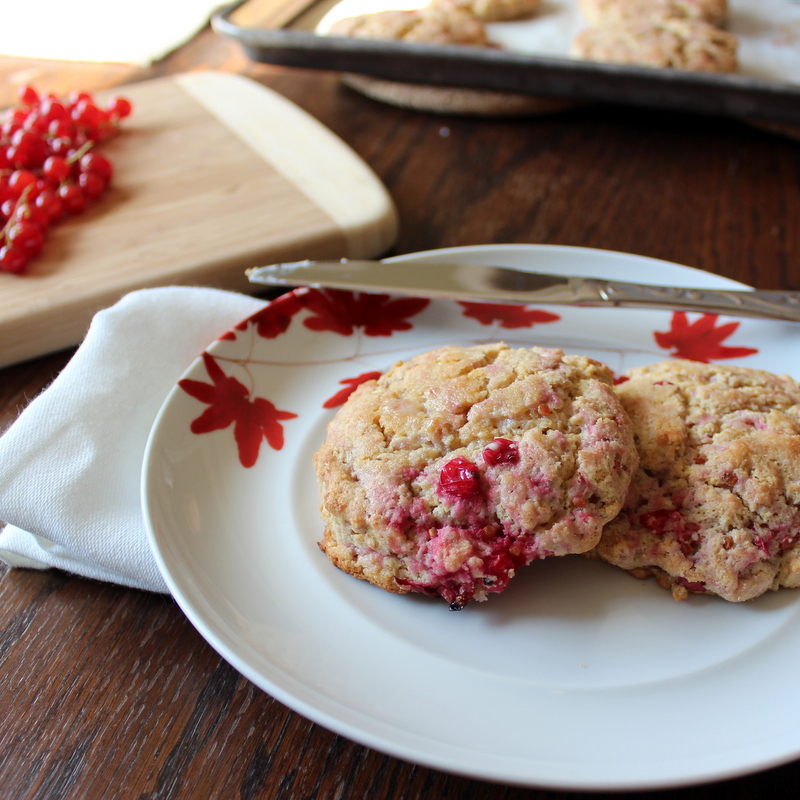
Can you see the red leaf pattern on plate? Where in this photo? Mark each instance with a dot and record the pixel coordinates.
(350, 385)
(507, 314)
(343, 312)
(275, 318)
(700, 340)
(228, 402)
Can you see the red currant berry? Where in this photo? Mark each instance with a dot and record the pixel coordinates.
(51, 204)
(60, 128)
(16, 116)
(60, 145)
(119, 107)
(498, 571)
(459, 478)
(501, 451)
(77, 97)
(97, 164)
(7, 131)
(24, 138)
(92, 184)
(19, 180)
(36, 121)
(37, 153)
(7, 208)
(72, 198)
(87, 115)
(25, 236)
(20, 157)
(12, 259)
(30, 212)
(56, 169)
(657, 521)
(53, 109)
(28, 96)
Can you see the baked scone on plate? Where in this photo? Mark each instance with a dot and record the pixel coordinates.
(715, 503)
(665, 42)
(454, 469)
(611, 12)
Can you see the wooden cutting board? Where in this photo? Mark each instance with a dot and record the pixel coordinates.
(214, 173)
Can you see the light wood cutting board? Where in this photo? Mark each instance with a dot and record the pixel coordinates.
(214, 173)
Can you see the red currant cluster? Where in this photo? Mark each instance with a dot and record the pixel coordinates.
(47, 166)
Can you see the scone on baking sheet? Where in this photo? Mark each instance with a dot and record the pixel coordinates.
(456, 468)
(495, 10)
(673, 42)
(444, 23)
(715, 503)
(391, 24)
(612, 12)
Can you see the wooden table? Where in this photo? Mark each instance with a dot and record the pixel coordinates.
(109, 692)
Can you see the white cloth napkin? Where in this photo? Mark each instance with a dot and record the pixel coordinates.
(70, 464)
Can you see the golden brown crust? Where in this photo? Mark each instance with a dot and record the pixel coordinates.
(344, 558)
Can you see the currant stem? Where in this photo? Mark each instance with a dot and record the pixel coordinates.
(80, 152)
(12, 217)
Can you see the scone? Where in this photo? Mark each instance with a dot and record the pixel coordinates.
(495, 10)
(392, 24)
(440, 24)
(672, 42)
(612, 12)
(456, 468)
(715, 503)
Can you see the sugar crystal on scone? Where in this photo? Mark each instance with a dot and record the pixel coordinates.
(460, 466)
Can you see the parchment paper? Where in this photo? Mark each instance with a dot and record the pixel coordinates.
(768, 31)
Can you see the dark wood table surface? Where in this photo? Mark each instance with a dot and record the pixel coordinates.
(108, 692)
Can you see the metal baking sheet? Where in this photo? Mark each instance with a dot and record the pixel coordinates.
(532, 57)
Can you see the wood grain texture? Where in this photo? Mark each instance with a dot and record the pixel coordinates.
(109, 692)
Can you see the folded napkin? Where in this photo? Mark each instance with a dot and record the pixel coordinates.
(70, 464)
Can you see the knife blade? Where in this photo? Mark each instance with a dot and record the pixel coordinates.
(495, 284)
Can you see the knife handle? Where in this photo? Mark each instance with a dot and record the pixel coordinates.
(776, 305)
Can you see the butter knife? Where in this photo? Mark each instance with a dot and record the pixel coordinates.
(507, 285)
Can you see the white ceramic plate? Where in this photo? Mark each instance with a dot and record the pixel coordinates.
(577, 677)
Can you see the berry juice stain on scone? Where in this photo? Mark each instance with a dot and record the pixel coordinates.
(453, 470)
(715, 504)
